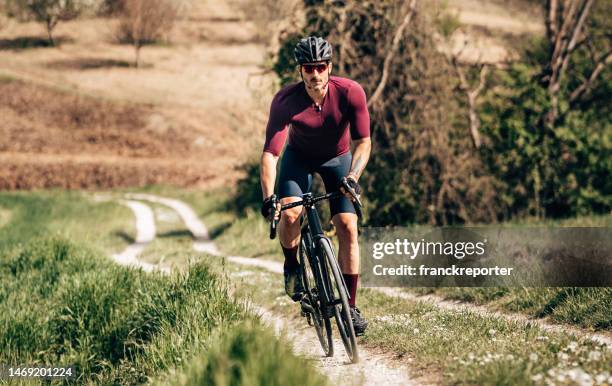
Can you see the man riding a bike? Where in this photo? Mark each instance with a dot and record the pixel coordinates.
(321, 116)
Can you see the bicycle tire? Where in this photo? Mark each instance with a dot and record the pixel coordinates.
(321, 323)
(342, 311)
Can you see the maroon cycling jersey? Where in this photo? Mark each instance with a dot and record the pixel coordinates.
(318, 132)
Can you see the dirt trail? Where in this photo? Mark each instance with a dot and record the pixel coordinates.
(337, 368)
(372, 368)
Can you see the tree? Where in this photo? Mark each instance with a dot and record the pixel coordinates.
(424, 166)
(145, 21)
(570, 29)
(49, 12)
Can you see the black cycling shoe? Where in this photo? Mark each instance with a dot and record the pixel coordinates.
(359, 322)
(293, 283)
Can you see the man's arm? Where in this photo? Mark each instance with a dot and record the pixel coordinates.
(268, 173)
(361, 155)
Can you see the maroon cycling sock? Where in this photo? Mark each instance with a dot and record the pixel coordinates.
(291, 261)
(351, 285)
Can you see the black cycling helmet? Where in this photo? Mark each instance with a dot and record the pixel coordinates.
(312, 49)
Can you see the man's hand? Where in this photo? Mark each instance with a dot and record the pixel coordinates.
(271, 206)
(354, 185)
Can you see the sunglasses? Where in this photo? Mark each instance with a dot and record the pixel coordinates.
(310, 68)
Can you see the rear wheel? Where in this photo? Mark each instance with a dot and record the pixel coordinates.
(322, 325)
(339, 297)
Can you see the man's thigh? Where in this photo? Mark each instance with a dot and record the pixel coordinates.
(331, 173)
(294, 177)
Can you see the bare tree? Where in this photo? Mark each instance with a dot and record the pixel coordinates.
(49, 12)
(471, 93)
(145, 21)
(408, 13)
(566, 23)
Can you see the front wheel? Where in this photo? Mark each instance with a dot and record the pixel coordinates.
(321, 323)
(339, 297)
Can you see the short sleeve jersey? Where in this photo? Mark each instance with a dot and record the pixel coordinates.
(321, 133)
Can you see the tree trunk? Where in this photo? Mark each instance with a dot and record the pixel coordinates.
(50, 26)
(138, 46)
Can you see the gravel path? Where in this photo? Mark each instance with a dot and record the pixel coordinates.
(372, 368)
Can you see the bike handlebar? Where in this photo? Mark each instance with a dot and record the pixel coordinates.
(356, 203)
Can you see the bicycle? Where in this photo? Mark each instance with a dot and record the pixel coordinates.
(325, 296)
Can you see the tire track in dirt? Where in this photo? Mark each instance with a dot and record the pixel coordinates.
(372, 368)
(145, 233)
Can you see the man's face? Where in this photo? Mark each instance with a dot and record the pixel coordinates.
(316, 75)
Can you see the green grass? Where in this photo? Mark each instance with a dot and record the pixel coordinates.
(64, 302)
(235, 358)
(113, 324)
(474, 349)
(73, 215)
(5, 216)
(589, 308)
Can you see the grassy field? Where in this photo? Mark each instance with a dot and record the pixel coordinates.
(64, 302)
(25, 216)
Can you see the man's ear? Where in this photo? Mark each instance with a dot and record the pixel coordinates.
(330, 68)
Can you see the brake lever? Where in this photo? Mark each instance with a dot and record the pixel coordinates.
(274, 221)
(357, 203)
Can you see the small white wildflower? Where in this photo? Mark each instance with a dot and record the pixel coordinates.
(416, 330)
(537, 377)
(562, 356)
(580, 376)
(600, 378)
(509, 357)
(541, 338)
(533, 357)
(594, 355)
(492, 332)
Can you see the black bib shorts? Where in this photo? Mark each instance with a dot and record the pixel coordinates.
(295, 177)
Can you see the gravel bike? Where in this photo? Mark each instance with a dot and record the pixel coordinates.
(325, 295)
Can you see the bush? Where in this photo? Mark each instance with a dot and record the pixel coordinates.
(548, 173)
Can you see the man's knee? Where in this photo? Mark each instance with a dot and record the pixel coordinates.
(290, 216)
(346, 225)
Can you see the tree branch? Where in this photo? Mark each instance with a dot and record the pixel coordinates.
(394, 47)
(472, 95)
(551, 20)
(584, 86)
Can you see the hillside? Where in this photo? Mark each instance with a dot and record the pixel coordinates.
(80, 116)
